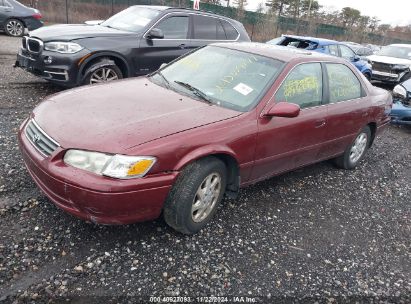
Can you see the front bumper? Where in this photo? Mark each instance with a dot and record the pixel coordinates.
(92, 197)
(400, 114)
(63, 70)
(391, 78)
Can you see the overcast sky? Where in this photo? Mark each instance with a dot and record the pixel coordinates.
(395, 12)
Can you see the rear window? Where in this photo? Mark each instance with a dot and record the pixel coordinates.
(205, 27)
(343, 84)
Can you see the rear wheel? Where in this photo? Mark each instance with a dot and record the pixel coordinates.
(194, 198)
(14, 28)
(355, 151)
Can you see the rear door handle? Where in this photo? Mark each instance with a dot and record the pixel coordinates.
(320, 123)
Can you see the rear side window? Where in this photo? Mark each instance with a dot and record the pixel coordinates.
(303, 86)
(205, 27)
(230, 31)
(343, 84)
(174, 27)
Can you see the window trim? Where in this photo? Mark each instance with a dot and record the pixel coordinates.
(363, 91)
(322, 103)
(272, 100)
(7, 6)
(191, 27)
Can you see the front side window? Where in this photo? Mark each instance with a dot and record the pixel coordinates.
(303, 86)
(226, 77)
(346, 52)
(333, 49)
(343, 84)
(174, 27)
(132, 19)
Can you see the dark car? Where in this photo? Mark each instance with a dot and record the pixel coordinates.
(16, 17)
(360, 50)
(133, 42)
(225, 116)
(401, 109)
(325, 46)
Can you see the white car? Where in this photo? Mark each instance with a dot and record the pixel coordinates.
(392, 64)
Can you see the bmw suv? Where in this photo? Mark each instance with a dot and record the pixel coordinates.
(134, 42)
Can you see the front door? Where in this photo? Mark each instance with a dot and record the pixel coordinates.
(286, 143)
(156, 51)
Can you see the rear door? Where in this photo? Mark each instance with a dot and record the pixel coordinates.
(155, 51)
(347, 112)
(286, 143)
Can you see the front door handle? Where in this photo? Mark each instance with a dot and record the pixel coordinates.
(182, 46)
(320, 123)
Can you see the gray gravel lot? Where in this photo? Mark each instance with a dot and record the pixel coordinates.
(316, 233)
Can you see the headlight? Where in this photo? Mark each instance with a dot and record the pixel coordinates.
(400, 67)
(117, 166)
(63, 47)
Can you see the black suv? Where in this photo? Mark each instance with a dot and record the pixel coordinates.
(134, 42)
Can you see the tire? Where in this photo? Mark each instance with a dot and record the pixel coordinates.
(105, 69)
(182, 209)
(14, 28)
(355, 151)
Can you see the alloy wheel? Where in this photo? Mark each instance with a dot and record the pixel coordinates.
(206, 197)
(15, 28)
(103, 75)
(358, 148)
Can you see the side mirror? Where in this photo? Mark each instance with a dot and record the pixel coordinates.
(356, 58)
(163, 65)
(94, 22)
(155, 33)
(399, 92)
(283, 109)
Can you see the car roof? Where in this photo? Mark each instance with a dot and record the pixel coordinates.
(319, 41)
(154, 7)
(282, 53)
(402, 45)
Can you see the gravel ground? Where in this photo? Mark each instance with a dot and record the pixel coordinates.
(316, 233)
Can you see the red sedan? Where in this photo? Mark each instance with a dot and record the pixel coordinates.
(175, 142)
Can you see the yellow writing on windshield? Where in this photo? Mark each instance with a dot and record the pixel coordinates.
(238, 69)
(300, 86)
(190, 63)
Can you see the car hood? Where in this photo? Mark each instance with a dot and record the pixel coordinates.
(68, 32)
(116, 116)
(389, 60)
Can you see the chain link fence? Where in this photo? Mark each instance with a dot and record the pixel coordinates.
(260, 27)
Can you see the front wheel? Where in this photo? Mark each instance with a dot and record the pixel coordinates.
(104, 70)
(355, 151)
(194, 198)
(14, 28)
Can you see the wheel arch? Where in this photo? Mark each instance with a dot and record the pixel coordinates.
(118, 59)
(227, 156)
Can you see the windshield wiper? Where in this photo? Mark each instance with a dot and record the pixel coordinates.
(195, 90)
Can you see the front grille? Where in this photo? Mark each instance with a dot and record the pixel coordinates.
(34, 45)
(44, 143)
(382, 67)
(24, 43)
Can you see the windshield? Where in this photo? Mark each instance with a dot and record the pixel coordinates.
(132, 19)
(228, 78)
(396, 51)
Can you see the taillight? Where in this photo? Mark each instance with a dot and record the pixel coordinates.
(37, 16)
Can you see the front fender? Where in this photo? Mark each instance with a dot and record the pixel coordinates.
(204, 152)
